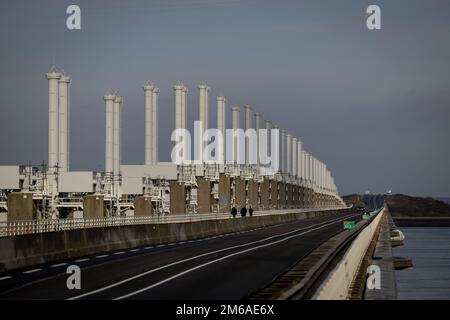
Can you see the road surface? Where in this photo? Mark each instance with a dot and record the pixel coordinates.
(230, 266)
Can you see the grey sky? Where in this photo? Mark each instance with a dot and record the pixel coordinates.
(373, 105)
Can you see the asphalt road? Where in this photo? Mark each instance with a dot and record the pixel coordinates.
(230, 266)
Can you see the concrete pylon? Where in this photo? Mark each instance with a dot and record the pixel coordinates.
(117, 147)
(258, 126)
(148, 98)
(184, 107)
(235, 123)
(178, 106)
(109, 132)
(283, 151)
(299, 159)
(269, 136)
(294, 157)
(63, 123)
(248, 125)
(179, 114)
(221, 125)
(155, 126)
(288, 154)
(203, 118)
(53, 87)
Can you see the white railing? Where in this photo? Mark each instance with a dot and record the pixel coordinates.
(14, 228)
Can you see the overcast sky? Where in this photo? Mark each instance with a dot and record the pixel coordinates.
(373, 105)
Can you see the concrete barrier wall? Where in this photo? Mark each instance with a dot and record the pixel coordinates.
(336, 286)
(31, 249)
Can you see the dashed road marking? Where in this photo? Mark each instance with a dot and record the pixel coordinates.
(32, 271)
(5, 278)
(101, 256)
(134, 250)
(58, 265)
(151, 247)
(160, 245)
(82, 260)
(120, 252)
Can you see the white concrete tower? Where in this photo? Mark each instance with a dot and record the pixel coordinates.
(117, 149)
(299, 159)
(148, 98)
(269, 137)
(221, 126)
(248, 125)
(178, 106)
(289, 153)
(53, 77)
(63, 123)
(183, 107)
(179, 96)
(109, 132)
(258, 126)
(235, 119)
(294, 156)
(311, 169)
(283, 151)
(203, 118)
(306, 166)
(155, 130)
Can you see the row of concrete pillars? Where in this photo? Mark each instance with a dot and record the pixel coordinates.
(238, 192)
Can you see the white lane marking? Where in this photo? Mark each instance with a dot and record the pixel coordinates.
(171, 244)
(101, 256)
(160, 245)
(182, 242)
(5, 278)
(195, 257)
(134, 250)
(120, 252)
(151, 247)
(82, 260)
(217, 260)
(32, 271)
(58, 265)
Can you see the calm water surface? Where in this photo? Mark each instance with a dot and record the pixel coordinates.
(429, 249)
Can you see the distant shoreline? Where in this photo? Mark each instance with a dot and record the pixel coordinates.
(422, 221)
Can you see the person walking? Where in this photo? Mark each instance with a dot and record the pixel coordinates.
(243, 211)
(250, 211)
(234, 212)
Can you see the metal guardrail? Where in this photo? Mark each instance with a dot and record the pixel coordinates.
(15, 228)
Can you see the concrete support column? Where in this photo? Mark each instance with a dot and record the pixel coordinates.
(289, 154)
(155, 130)
(63, 124)
(53, 123)
(269, 137)
(178, 106)
(221, 125)
(258, 126)
(109, 132)
(117, 147)
(294, 157)
(248, 126)
(184, 107)
(283, 151)
(203, 118)
(299, 159)
(235, 119)
(148, 102)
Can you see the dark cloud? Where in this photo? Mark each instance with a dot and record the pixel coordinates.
(373, 105)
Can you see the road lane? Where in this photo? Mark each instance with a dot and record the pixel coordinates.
(99, 275)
